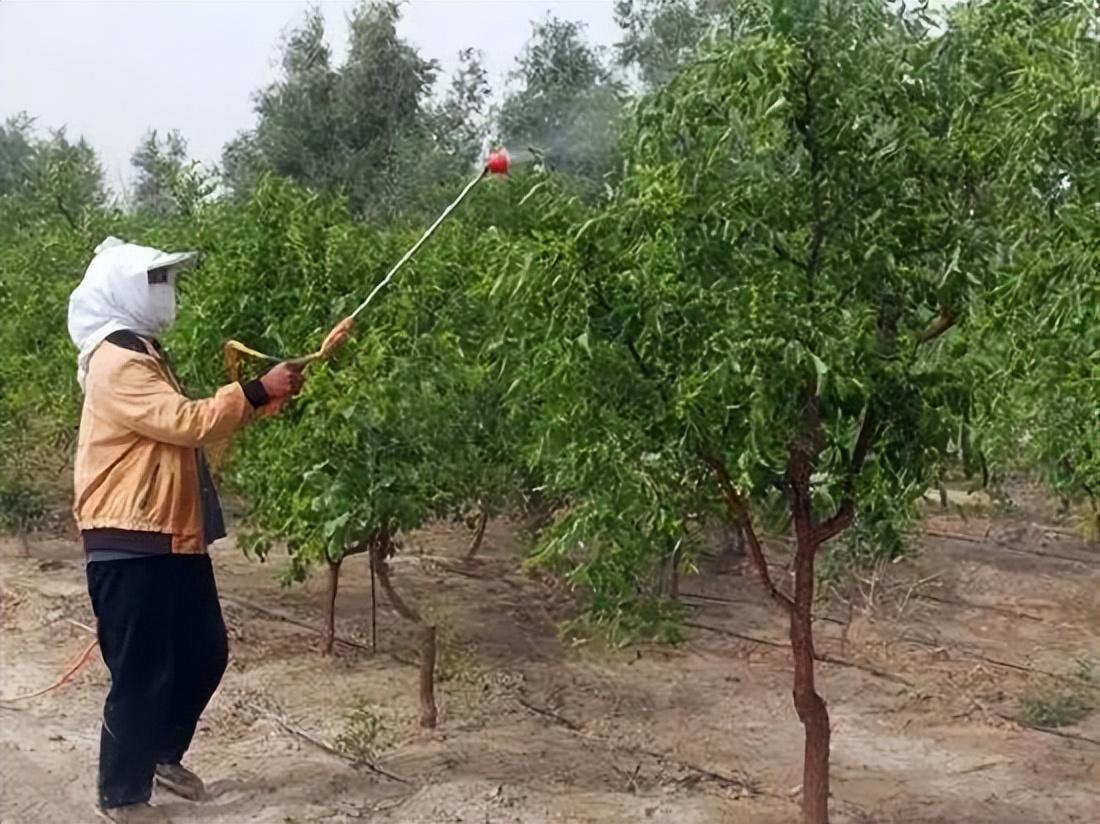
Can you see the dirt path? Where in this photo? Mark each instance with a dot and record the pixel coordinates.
(533, 730)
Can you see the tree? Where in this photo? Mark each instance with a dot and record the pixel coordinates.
(385, 438)
(659, 35)
(16, 152)
(1035, 347)
(350, 129)
(438, 153)
(568, 105)
(51, 200)
(295, 134)
(460, 119)
(40, 264)
(44, 179)
(166, 182)
(762, 315)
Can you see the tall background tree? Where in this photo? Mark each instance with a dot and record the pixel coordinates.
(568, 102)
(340, 128)
(166, 183)
(659, 36)
(51, 205)
(46, 177)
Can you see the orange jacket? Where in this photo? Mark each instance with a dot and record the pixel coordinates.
(137, 460)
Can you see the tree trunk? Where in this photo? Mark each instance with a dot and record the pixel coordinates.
(811, 708)
(732, 552)
(373, 610)
(475, 545)
(427, 677)
(328, 634)
(379, 550)
(674, 574)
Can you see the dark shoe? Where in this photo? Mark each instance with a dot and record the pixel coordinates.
(137, 814)
(178, 779)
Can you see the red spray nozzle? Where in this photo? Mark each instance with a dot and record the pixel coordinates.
(498, 162)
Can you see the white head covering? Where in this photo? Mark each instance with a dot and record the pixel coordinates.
(116, 294)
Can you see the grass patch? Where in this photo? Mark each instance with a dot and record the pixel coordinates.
(364, 734)
(1053, 709)
(1064, 705)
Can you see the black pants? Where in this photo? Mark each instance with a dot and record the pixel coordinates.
(163, 639)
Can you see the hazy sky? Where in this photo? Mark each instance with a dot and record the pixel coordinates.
(111, 69)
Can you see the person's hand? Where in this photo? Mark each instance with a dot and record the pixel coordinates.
(273, 408)
(336, 338)
(282, 382)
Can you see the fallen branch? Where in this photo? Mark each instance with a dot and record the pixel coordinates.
(844, 662)
(631, 778)
(732, 634)
(971, 605)
(1050, 730)
(741, 784)
(817, 617)
(1057, 530)
(956, 536)
(553, 716)
(985, 765)
(288, 619)
(819, 656)
(323, 745)
(465, 573)
(997, 662)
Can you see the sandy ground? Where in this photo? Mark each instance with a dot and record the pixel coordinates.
(937, 653)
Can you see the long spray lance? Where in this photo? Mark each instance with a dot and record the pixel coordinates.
(496, 164)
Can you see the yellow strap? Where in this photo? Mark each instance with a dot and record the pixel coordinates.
(237, 346)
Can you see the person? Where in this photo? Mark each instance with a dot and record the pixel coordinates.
(148, 510)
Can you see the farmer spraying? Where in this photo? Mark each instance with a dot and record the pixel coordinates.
(147, 510)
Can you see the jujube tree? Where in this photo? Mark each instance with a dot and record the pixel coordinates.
(394, 432)
(763, 311)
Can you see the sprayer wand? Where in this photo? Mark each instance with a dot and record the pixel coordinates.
(496, 164)
(416, 246)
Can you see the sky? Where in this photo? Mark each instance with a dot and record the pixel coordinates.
(112, 69)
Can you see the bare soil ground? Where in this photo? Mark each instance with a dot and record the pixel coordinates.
(934, 655)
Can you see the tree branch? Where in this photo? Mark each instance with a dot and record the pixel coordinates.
(944, 321)
(382, 570)
(805, 126)
(739, 511)
(844, 514)
(647, 371)
(784, 255)
(61, 207)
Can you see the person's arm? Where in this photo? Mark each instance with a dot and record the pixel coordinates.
(137, 396)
